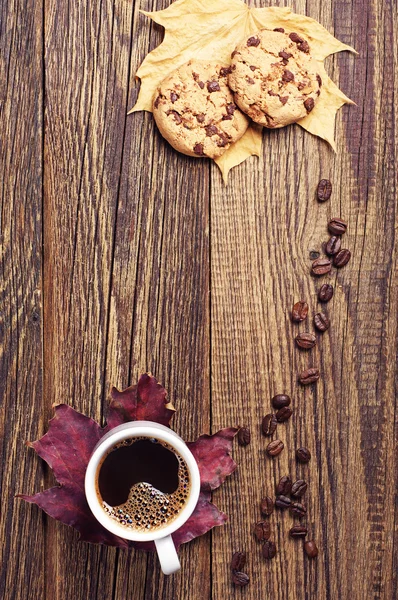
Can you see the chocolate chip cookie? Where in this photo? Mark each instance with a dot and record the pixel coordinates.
(274, 77)
(195, 110)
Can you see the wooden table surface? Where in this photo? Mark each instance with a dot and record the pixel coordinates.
(120, 256)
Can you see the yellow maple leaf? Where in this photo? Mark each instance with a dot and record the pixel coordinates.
(210, 30)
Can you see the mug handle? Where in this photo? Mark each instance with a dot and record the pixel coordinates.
(167, 554)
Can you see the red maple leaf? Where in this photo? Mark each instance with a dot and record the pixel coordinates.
(69, 443)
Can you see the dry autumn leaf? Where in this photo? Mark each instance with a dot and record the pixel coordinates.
(210, 30)
(69, 443)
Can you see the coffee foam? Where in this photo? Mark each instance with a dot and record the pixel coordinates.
(147, 508)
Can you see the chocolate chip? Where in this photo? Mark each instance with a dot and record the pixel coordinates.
(234, 53)
(201, 84)
(173, 97)
(224, 71)
(285, 55)
(249, 80)
(222, 140)
(198, 149)
(253, 68)
(296, 38)
(176, 116)
(200, 118)
(227, 117)
(284, 99)
(319, 80)
(231, 108)
(211, 130)
(304, 47)
(280, 29)
(157, 101)
(287, 76)
(253, 41)
(309, 104)
(213, 86)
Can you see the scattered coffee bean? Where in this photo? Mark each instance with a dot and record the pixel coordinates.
(269, 424)
(284, 486)
(269, 549)
(325, 293)
(240, 579)
(282, 502)
(244, 436)
(333, 245)
(262, 530)
(267, 506)
(298, 510)
(342, 258)
(324, 190)
(284, 414)
(274, 448)
(303, 455)
(298, 531)
(337, 226)
(321, 266)
(309, 376)
(311, 549)
(238, 561)
(299, 488)
(280, 400)
(300, 311)
(306, 341)
(321, 322)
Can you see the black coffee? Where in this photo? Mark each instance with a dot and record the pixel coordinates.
(143, 483)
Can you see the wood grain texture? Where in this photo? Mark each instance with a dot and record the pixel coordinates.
(120, 256)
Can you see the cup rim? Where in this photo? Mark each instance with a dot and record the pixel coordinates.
(138, 429)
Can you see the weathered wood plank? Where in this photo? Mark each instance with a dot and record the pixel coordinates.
(348, 419)
(21, 416)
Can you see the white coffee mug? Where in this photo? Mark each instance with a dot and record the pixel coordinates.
(162, 538)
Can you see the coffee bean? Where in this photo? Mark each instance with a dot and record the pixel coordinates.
(262, 530)
(325, 293)
(244, 436)
(337, 226)
(303, 455)
(309, 376)
(298, 510)
(342, 258)
(238, 561)
(300, 311)
(282, 502)
(321, 266)
(240, 579)
(333, 245)
(310, 102)
(324, 189)
(321, 322)
(306, 341)
(296, 38)
(284, 486)
(280, 400)
(269, 549)
(298, 531)
(284, 414)
(269, 424)
(267, 506)
(274, 448)
(311, 549)
(299, 488)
